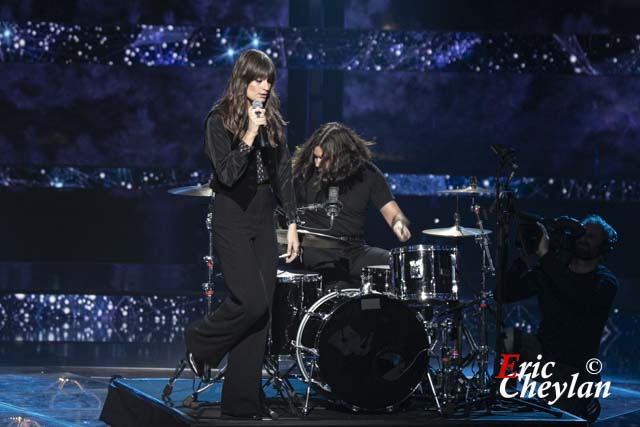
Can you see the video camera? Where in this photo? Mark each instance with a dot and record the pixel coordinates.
(563, 232)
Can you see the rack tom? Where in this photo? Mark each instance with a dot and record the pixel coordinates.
(424, 273)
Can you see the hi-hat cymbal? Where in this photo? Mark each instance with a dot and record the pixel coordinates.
(467, 190)
(311, 239)
(194, 190)
(455, 231)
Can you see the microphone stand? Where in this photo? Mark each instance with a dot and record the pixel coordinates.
(504, 211)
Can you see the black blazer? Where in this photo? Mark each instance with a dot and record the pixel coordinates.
(235, 171)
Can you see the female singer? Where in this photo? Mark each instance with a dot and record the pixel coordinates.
(251, 162)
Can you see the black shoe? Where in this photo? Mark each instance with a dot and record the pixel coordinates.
(197, 366)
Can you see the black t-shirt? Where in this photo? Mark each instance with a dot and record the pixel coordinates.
(574, 307)
(366, 185)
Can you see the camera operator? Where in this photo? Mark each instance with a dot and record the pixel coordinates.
(575, 293)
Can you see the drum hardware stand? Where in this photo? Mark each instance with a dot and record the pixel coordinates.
(306, 408)
(487, 267)
(427, 313)
(451, 364)
(281, 384)
(503, 207)
(208, 289)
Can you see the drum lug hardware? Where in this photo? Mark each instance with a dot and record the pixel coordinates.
(311, 351)
(318, 316)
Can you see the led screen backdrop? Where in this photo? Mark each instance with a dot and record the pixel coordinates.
(108, 116)
(443, 123)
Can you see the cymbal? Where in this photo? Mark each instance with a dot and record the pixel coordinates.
(311, 239)
(467, 190)
(194, 190)
(455, 231)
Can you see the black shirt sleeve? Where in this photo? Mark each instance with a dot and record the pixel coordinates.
(285, 183)
(572, 287)
(380, 191)
(229, 158)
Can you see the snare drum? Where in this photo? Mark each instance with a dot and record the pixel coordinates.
(295, 293)
(424, 273)
(376, 278)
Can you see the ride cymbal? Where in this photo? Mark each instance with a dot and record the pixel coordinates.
(467, 190)
(311, 239)
(194, 190)
(455, 231)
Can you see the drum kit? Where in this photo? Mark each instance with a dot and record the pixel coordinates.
(399, 335)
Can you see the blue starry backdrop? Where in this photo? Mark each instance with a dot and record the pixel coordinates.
(102, 107)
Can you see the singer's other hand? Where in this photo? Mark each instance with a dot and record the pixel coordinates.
(293, 244)
(401, 231)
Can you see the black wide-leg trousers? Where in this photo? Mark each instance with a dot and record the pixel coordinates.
(245, 243)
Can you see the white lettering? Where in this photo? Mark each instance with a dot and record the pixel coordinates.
(559, 391)
(599, 386)
(544, 373)
(549, 389)
(574, 379)
(528, 387)
(542, 390)
(503, 389)
(587, 392)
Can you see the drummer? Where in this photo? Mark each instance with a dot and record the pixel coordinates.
(337, 160)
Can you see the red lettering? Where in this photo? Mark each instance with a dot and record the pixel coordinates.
(506, 364)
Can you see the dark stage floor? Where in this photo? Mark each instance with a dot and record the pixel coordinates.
(75, 396)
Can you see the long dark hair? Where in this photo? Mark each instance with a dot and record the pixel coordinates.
(345, 153)
(232, 106)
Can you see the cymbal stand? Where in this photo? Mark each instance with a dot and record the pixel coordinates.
(485, 296)
(208, 289)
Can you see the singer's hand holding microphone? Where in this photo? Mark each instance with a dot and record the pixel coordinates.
(257, 119)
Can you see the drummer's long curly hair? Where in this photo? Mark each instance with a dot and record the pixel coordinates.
(345, 154)
(251, 65)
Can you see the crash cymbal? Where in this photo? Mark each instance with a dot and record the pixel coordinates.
(311, 239)
(467, 190)
(194, 190)
(455, 231)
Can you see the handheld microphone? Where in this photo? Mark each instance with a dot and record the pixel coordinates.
(263, 141)
(333, 205)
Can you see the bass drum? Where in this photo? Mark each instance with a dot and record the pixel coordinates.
(364, 351)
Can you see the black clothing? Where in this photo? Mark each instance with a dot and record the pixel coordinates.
(574, 307)
(246, 247)
(236, 169)
(366, 185)
(341, 268)
(245, 242)
(261, 169)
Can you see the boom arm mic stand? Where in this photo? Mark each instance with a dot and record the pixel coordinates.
(504, 210)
